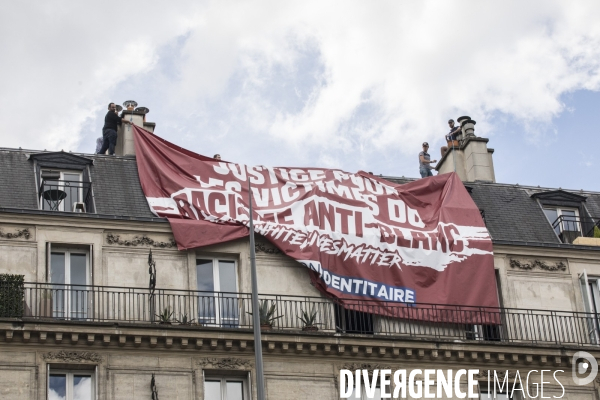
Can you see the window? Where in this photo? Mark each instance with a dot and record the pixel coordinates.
(61, 190)
(376, 394)
(63, 181)
(590, 290)
(69, 274)
(70, 385)
(217, 280)
(565, 222)
(229, 388)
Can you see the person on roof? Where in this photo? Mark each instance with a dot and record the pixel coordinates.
(451, 136)
(109, 131)
(425, 162)
(217, 156)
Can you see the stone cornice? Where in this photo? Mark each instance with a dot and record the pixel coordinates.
(82, 221)
(382, 350)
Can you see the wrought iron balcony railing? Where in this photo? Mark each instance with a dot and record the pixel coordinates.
(59, 195)
(568, 227)
(196, 309)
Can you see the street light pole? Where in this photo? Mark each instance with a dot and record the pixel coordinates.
(260, 382)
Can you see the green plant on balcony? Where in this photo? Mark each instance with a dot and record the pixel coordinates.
(266, 312)
(309, 319)
(185, 320)
(596, 232)
(12, 296)
(164, 318)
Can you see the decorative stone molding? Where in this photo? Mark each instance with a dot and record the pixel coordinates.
(225, 363)
(139, 241)
(21, 233)
(263, 247)
(538, 264)
(368, 366)
(73, 356)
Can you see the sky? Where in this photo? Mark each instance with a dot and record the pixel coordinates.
(355, 85)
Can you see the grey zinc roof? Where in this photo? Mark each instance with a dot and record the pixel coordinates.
(593, 204)
(116, 187)
(511, 214)
(17, 182)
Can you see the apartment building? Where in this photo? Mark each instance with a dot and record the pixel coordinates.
(111, 309)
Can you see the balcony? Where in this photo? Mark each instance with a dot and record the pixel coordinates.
(65, 195)
(570, 227)
(232, 311)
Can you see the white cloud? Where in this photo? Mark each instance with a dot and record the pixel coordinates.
(351, 84)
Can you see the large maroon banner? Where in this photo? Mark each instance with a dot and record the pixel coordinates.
(363, 237)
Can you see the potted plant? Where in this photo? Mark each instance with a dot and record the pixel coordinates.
(266, 313)
(309, 319)
(164, 318)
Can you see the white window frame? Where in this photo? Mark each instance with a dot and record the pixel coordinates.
(590, 291)
(70, 373)
(66, 293)
(61, 206)
(363, 392)
(223, 379)
(217, 320)
(559, 213)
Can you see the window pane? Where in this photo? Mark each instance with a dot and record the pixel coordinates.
(570, 220)
(57, 387)
(82, 387)
(205, 282)
(552, 216)
(78, 269)
(377, 395)
(57, 268)
(204, 273)
(234, 391)
(212, 390)
(50, 198)
(71, 188)
(227, 277)
(229, 303)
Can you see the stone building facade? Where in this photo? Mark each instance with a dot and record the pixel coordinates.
(91, 325)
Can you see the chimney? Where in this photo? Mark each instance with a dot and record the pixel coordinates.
(472, 160)
(137, 116)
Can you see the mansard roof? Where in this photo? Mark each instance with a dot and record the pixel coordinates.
(512, 213)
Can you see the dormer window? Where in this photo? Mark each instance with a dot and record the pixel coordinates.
(565, 222)
(567, 215)
(63, 182)
(63, 191)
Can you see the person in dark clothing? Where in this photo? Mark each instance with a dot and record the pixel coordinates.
(451, 137)
(109, 131)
